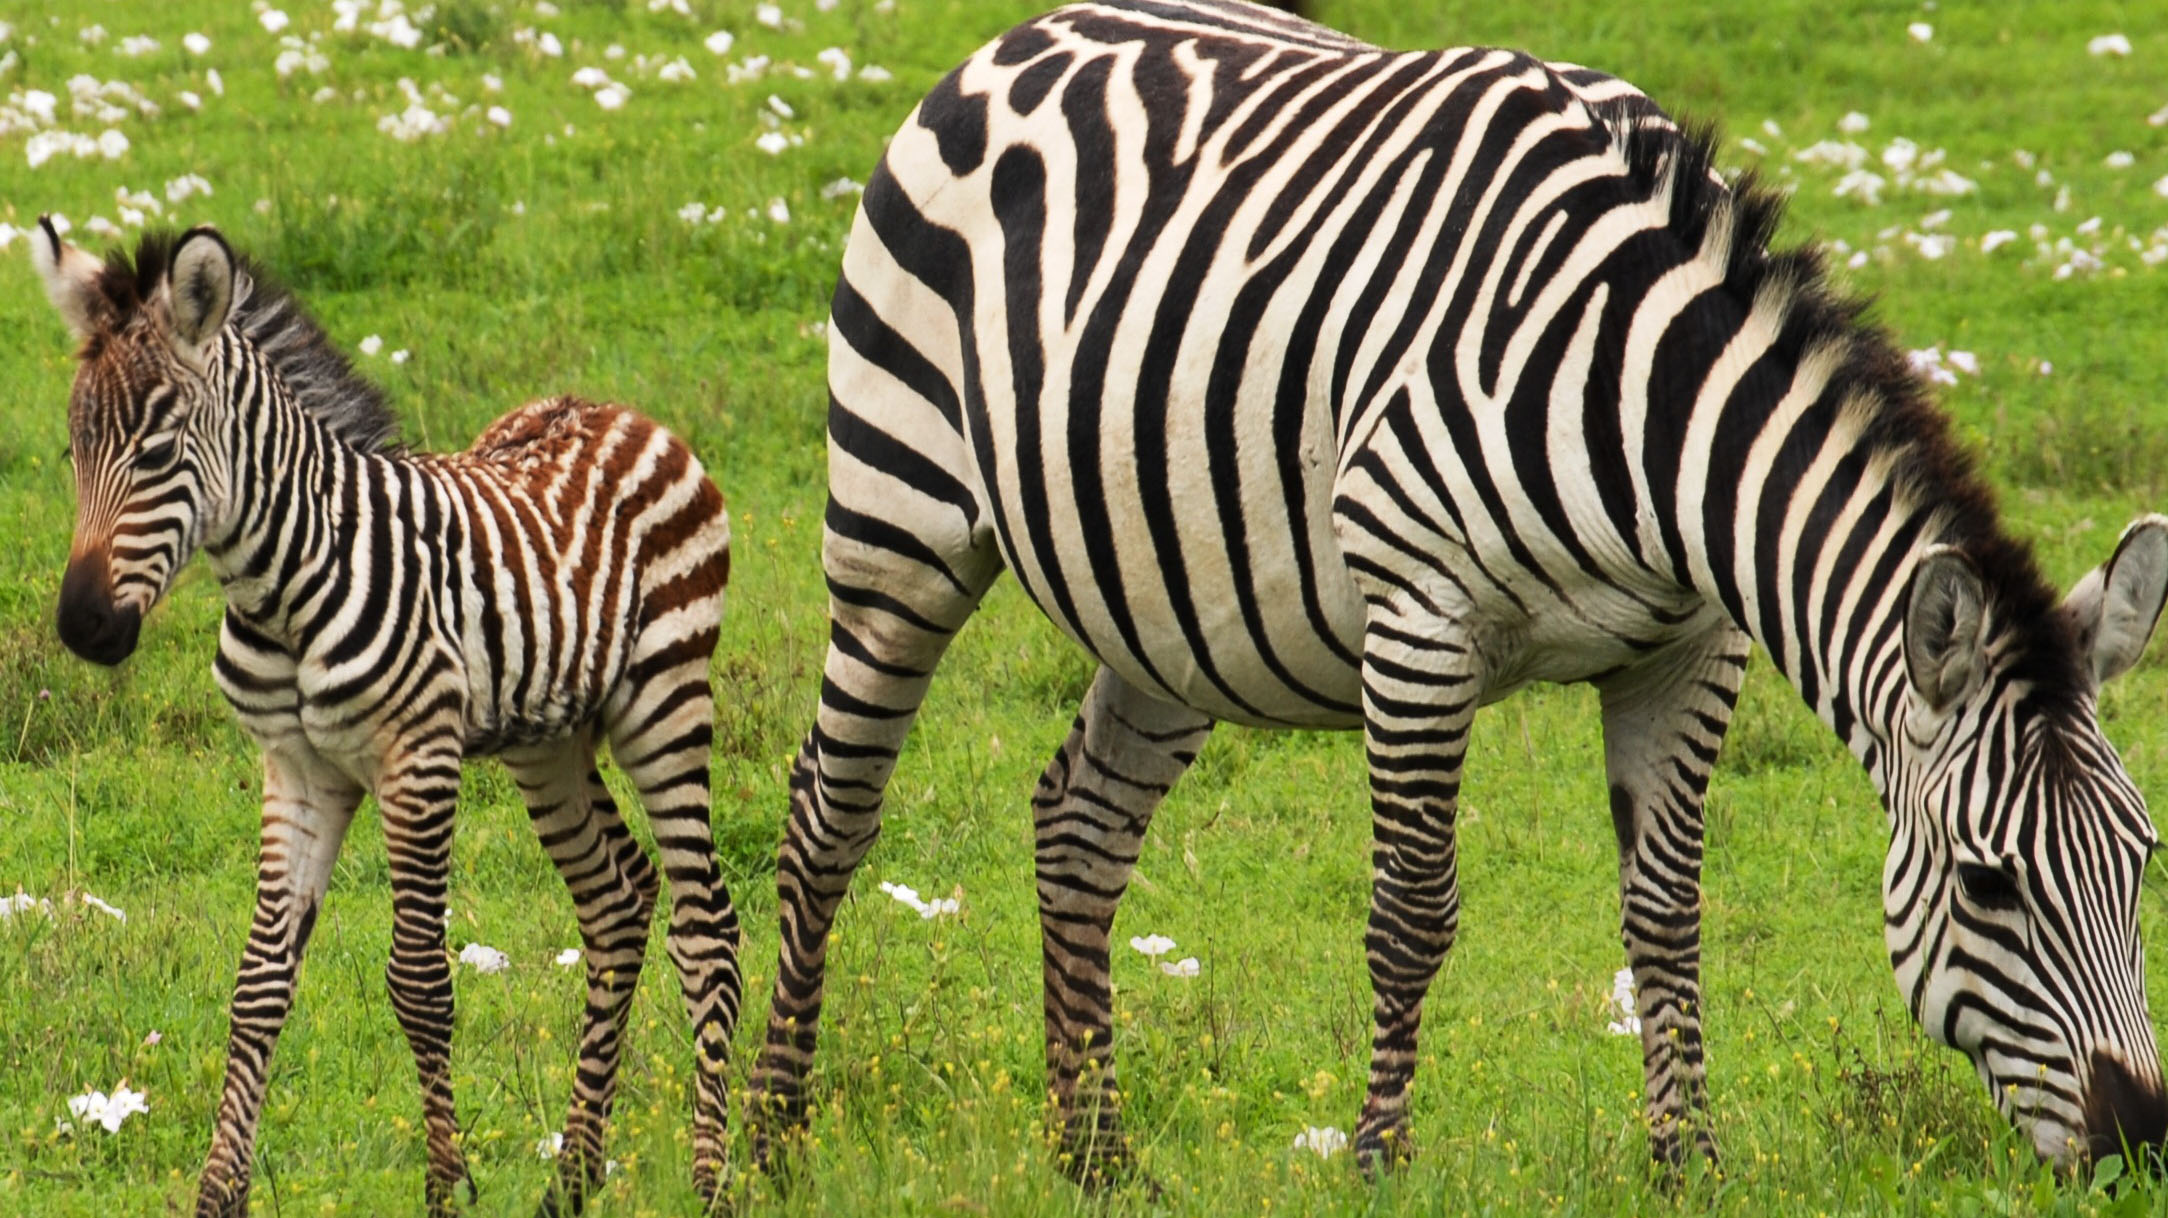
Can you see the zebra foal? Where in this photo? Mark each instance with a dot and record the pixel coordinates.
(556, 586)
(1308, 384)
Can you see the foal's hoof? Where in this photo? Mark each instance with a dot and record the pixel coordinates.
(1671, 1164)
(1383, 1151)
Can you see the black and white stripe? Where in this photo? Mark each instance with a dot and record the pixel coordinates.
(1304, 383)
(389, 614)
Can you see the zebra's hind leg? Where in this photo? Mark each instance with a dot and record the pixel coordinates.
(891, 617)
(661, 735)
(613, 891)
(1420, 690)
(1089, 815)
(417, 796)
(1663, 722)
(307, 806)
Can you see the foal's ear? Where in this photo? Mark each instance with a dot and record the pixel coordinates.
(71, 280)
(2114, 608)
(202, 290)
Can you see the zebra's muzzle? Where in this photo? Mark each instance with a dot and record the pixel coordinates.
(89, 621)
(2123, 1113)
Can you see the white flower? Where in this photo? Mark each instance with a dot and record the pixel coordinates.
(772, 142)
(484, 959)
(926, 909)
(875, 73)
(2119, 159)
(720, 42)
(190, 99)
(1185, 967)
(551, 1146)
(23, 902)
(2108, 44)
(1996, 240)
(492, 83)
(101, 906)
(613, 51)
(836, 60)
(91, 35)
(1753, 145)
(612, 96)
(108, 1110)
(769, 15)
(693, 213)
(136, 44)
(112, 145)
(500, 116)
(1628, 1022)
(1326, 1142)
(400, 357)
(590, 78)
(2161, 188)
(1965, 362)
(549, 45)
(1920, 31)
(676, 71)
(180, 188)
(1153, 946)
(1926, 362)
(2088, 228)
(568, 957)
(99, 226)
(38, 104)
(213, 79)
(2159, 118)
(1931, 246)
(841, 187)
(1852, 123)
(1862, 185)
(2046, 368)
(782, 108)
(273, 20)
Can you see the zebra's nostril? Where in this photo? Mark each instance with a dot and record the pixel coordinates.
(88, 621)
(2123, 1113)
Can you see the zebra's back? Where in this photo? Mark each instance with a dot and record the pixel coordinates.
(1149, 287)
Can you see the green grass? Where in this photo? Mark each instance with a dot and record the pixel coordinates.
(549, 257)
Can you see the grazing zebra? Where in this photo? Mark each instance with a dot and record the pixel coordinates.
(389, 614)
(1306, 384)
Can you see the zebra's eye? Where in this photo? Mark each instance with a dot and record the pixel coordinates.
(1987, 886)
(157, 456)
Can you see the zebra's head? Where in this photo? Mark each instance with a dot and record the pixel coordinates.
(2010, 896)
(140, 418)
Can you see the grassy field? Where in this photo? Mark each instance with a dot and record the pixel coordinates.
(553, 252)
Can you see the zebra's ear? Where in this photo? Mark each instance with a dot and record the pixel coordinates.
(1945, 609)
(2114, 608)
(71, 280)
(202, 289)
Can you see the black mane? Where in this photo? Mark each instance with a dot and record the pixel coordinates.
(1902, 424)
(315, 372)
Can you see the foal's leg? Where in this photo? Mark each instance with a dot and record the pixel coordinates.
(1663, 721)
(418, 791)
(661, 734)
(1089, 816)
(307, 806)
(613, 891)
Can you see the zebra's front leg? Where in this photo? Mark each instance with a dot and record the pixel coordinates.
(1089, 815)
(1663, 722)
(418, 793)
(1420, 690)
(307, 806)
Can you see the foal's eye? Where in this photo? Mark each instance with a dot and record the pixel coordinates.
(157, 456)
(1988, 886)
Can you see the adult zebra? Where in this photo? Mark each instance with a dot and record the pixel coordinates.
(388, 614)
(1308, 384)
